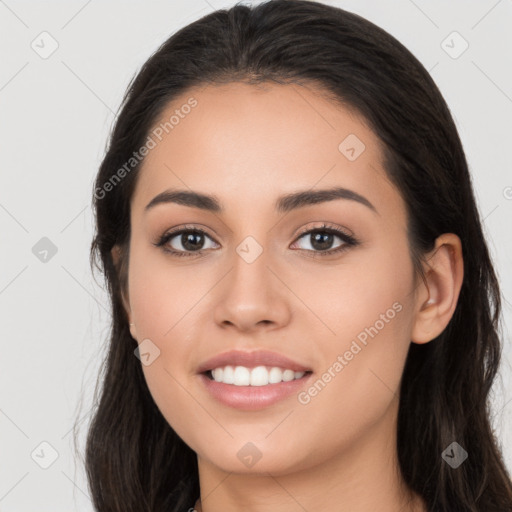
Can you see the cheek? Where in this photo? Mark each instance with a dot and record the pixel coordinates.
(161, 296)
(366, 297)
(162, 302)
(368, 308)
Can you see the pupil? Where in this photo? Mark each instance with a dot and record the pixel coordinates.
(322, 240)
(187, 240)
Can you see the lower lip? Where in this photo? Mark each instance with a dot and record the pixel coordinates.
(253, 398)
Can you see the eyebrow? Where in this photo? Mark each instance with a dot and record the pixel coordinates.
(283, 204)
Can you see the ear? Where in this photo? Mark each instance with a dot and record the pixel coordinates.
(117, 258)
(436, 303)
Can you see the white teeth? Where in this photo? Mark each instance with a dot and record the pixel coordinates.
(217, 374)
(228, 377)
(258, 376)
(275, 375)
(242, 376)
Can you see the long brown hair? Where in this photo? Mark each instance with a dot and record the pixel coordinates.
(134, 459)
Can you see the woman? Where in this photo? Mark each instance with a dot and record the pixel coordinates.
(332, 344)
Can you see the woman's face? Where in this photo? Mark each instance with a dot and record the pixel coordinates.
(265, 280)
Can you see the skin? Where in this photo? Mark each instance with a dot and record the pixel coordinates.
(248, 145)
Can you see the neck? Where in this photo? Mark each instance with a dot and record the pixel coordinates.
(362, 477)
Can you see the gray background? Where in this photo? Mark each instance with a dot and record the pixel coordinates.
(56, 113)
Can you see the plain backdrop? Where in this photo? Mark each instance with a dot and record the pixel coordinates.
(64, 69)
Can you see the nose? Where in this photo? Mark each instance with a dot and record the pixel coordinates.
(251, 297)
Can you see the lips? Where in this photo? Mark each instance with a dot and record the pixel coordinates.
(251, 360)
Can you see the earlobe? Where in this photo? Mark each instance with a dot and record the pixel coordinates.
(115, 252)
(437, 302)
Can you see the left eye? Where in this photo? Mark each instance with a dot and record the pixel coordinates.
(321, 240)
(188, 240)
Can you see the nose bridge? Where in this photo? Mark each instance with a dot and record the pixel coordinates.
(251, 294)
(250, 276)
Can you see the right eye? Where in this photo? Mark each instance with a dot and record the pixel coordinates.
(188, 241)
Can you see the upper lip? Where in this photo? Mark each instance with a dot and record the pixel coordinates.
(251, 360)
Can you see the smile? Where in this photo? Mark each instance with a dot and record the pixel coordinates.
(257, 376)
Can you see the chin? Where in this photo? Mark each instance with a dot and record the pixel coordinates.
(252, 458)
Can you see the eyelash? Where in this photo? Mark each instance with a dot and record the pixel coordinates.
(349, 240)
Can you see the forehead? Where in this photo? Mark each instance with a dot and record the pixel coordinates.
(248, 144)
